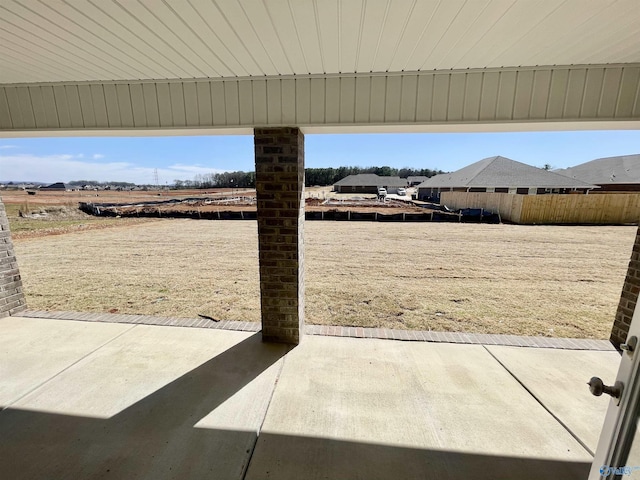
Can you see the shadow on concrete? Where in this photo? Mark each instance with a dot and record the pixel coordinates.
(156, 439)
(297, 457)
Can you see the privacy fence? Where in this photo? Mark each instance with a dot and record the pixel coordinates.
(604, 208)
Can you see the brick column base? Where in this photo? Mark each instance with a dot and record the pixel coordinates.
(629, 297)
(280, 200)
(11, 294)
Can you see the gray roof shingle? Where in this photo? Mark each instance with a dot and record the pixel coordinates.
(623, 169)
(502, 172)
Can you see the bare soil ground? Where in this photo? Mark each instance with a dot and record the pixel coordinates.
(212, 200)
(56, 213)
(42, 197)
(526, 280)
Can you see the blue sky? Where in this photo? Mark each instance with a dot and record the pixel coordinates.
(134, 159)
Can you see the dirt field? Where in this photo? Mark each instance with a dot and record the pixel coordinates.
(55, 213)
(161, 204)
(42, 197)
(553, 281)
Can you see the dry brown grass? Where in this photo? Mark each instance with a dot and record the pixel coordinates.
(526, 280)
(529, 280)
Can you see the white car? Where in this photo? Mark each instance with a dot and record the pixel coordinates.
(402, 192)
(382, 192)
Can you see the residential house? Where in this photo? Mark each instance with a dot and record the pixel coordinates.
(369, 183)
(611, 174)
(501, 175)
(414, 180)
(55, 187)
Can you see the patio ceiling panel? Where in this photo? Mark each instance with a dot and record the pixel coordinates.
(79, 40)
(611, 32)
(83, 65)
(39, 29)
(549, 31)
(101, 25)
(500, 96)
(449, 26)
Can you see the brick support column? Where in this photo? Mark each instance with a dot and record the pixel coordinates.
(280, 195)
(629, 297)
(11, 295)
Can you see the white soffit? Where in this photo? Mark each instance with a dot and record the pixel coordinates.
(107, 40)
(525, 95)
(336, 129)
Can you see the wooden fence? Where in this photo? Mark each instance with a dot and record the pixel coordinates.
(605, 208)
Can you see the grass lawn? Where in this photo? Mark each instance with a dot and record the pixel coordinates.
(526, 280)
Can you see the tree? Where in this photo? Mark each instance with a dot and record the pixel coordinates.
(313, 176)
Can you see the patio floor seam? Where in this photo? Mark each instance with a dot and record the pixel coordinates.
(264, 418)
(58, 373)
(537, 399)
(336, 331)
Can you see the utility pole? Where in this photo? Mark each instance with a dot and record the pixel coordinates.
(155, 178)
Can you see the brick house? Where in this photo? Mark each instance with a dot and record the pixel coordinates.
(611, 174)
(501, 175)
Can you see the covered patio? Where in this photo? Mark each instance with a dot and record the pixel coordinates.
(99, 399)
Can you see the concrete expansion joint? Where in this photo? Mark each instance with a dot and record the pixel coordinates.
(266, 410)
(541, 403)
(57, 374)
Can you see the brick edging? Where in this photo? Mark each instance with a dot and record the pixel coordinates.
(337, 331)
(461, 338)
(144, 320)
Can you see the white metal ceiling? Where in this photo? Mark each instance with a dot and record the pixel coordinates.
(102, 40)
(524, 95)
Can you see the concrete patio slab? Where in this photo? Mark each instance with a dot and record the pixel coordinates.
(156, 403)
(558, 379)
(366, 408)
(33, 351)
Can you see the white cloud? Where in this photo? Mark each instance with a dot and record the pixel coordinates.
(97, 156)
(63, 168)
(7, 147)
(191, 169)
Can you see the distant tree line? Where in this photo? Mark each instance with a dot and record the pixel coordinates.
(313, 176)
(219, 180)
(95, 183)
(329, 176)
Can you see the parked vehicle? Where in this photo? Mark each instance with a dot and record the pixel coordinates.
(402, 192)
